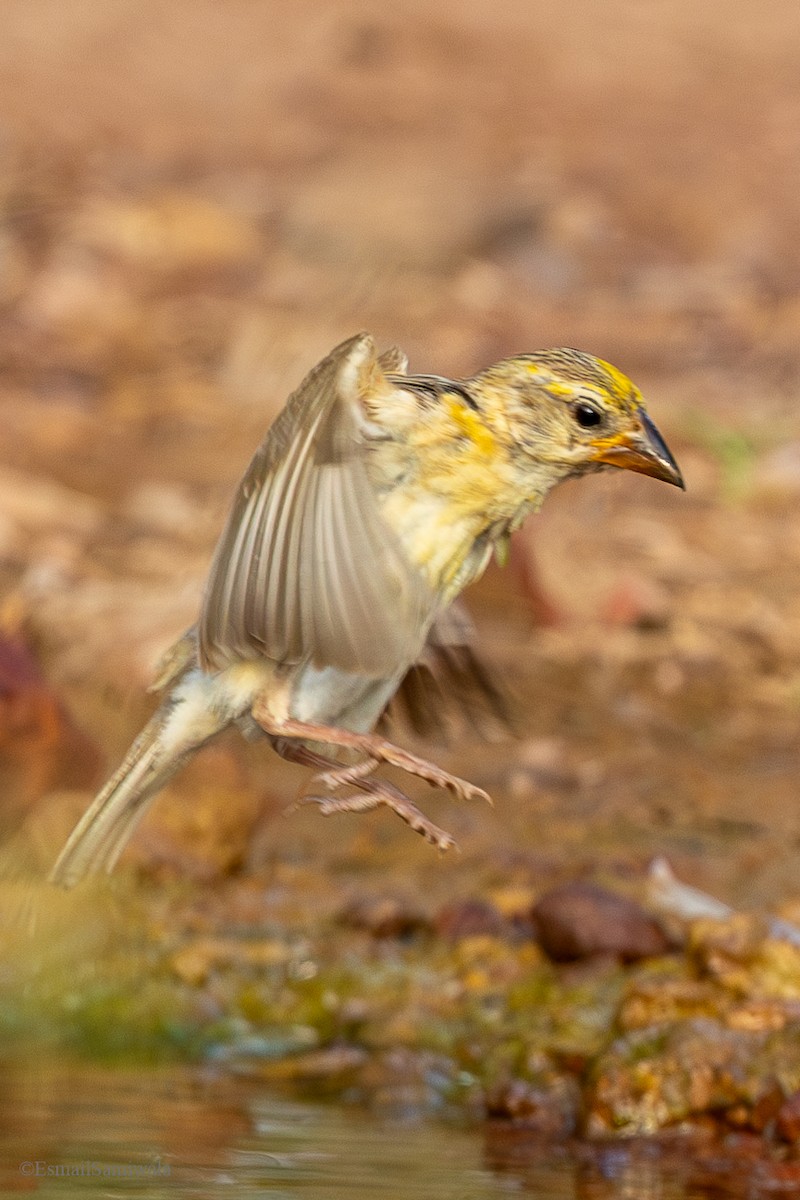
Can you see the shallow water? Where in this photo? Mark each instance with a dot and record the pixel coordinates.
(74, 1131)
(81, 1129)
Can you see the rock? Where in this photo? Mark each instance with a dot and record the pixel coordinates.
(41, 747)
(404, 1083)
(744, 955)
(468, 918)
(580, 920)
(766, 1109)
(383, 916)
(551, 1113)
(787, 1122)
(204, 822)
(666, 1074)
(651, 1002)
(196, 961)
(330, 1066)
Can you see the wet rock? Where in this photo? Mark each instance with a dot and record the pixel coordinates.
(581, 920)
(403, 1083)
(743, 955)
(664, 1075)
(194, 962)
(332, 1066)
(551, 1113)
(468, 918)
(649, 1002)
(513, 900)
(384, 916)
(253, 1054)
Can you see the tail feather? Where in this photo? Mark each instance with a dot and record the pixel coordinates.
(105, 828)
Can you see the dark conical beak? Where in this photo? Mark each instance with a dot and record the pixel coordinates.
(641, 449)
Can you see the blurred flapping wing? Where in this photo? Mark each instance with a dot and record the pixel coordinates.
(449, 693)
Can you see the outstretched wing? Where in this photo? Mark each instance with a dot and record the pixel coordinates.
(306, 568)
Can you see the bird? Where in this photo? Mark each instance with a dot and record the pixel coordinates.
(374, 499)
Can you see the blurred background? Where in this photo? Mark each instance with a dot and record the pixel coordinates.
(198, 200)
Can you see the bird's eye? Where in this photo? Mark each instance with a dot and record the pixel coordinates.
(587, 415)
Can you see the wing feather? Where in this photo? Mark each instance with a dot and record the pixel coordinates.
(449, 692)
(306, 568)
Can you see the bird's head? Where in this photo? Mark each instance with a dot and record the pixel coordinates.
(572, 414)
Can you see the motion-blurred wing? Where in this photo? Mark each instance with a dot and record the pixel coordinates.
(306, 568)
(449, 691)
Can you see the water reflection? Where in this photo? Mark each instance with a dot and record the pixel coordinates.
(701, 1167)
(69, 1130)
(189, 1133)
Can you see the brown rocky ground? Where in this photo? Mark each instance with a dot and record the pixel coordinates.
(198, 200)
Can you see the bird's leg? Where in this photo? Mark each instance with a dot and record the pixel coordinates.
(371, 745)
(336, 775)
(376, 791)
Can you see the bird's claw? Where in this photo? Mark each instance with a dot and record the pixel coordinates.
(345, 776)
(465, 790)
